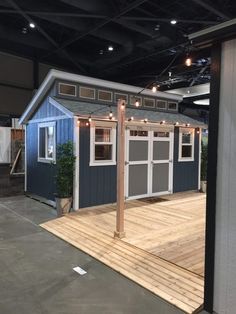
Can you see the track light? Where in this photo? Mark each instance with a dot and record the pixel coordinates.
(32, 25)
(110, 48)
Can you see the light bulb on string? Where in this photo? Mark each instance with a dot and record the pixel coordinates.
(90, 119)
(154, 88)
(110, 113)
(137, 103)
(188, 61)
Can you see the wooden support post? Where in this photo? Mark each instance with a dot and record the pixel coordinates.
(120, 233)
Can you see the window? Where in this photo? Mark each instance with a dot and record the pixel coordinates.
(186, 144)
(149, 102)
(172, 106)
(138, 133)
(46, 142)
(104, 95)
(67, 89)
(161, 104)
(161, 134)
(86, 92)
(102, 144)
(121, 96)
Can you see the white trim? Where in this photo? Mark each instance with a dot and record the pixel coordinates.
(49, 119)
(121, 94)
(102, 125)
(200, 157)
(60, 75)
(182, 130)
(67, 84)
(25, 183)
(87, 87)
(46, 159)
(77, 170)
(106, 91)
(60, 107)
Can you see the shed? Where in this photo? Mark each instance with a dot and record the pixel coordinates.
(162, 150)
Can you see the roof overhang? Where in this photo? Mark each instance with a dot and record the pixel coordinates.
(219, 32)
(55, 74)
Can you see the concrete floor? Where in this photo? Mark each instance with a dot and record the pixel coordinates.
(37, 277)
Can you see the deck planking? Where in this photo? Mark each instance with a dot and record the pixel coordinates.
(163, 250)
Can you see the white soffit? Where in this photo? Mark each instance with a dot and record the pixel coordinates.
(192, 91)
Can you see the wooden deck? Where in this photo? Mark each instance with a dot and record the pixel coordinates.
(162, 239)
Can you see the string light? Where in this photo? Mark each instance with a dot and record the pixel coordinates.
(188, 61)
(187, 124)
(145, 120)
(90, 118)
(137, 103)
(163, 122)
(78, 122)
(32, 25)
(110, 113)
(131, 119)
(87, 124)
(176, 123)
(154, 88)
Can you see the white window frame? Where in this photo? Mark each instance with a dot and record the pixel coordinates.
(47, 159)
(151, 99)
(64, 94)
(165, 108)
(102, 125)
(106, 91)
(87, 87)
(181, 131)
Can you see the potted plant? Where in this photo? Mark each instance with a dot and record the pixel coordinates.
(204, 168)
(64, 177)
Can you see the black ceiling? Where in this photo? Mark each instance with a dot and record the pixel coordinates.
(75, 35)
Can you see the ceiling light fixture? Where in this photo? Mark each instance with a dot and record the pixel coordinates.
(173, 22)
(32, 25)
(110, 48)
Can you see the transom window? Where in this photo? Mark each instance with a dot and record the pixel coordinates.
(46, 142)
(172, 106)
(102, 144)
(149, 102)
(104, 95)
(161, 134)
(161, 104)
(186, 144)
(67, 89)
(138, 133)
(87, 92)
(121, 96)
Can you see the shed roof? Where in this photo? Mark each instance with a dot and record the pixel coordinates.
(85, 109)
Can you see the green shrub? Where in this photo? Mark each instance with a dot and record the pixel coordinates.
(65, 170)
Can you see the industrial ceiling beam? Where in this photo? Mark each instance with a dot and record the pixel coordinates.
(49, 38)
(211, 9)
(101, 17)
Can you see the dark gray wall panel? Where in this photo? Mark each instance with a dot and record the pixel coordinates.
(138, 175)
(160, 178)
(185, 173)
(97, 183)
(138, 150)
(161, 150)
(41, 176)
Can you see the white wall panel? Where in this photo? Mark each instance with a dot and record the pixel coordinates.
(225, 249)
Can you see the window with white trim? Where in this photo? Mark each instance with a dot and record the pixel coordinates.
(46, 142)
(102, 144)
(67, 89)
(186, 144)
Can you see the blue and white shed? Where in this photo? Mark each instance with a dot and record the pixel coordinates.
(162, 145)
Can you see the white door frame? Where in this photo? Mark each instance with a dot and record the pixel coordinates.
(149, 162)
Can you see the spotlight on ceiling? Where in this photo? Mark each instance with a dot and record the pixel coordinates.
(154, 88)
(32, 25)
(173, 22)
(110, 48)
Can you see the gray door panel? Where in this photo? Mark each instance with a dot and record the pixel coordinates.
(160, 178)
(138, 176)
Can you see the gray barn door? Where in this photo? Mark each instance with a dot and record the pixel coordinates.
(161, 171)
(137, 170)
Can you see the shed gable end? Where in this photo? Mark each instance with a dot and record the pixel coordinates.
(47, 110)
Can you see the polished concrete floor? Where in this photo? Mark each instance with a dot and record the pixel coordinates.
(36, 271)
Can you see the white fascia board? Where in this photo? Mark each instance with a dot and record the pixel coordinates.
(41, 92)
(56, 74)
(212, 29)
(60, 107)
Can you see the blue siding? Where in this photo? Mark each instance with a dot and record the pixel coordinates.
(41, 176)
(47, 110)
(185, 174)
(97, 184)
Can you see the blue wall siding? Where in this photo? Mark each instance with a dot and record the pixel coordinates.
(47, 110)
(41, 176)
(97, 184)
(185, 174)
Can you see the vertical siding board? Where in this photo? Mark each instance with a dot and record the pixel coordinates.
(96, 183)
(41, 176)
(185, 174)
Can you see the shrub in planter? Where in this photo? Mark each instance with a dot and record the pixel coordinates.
(64, 177)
